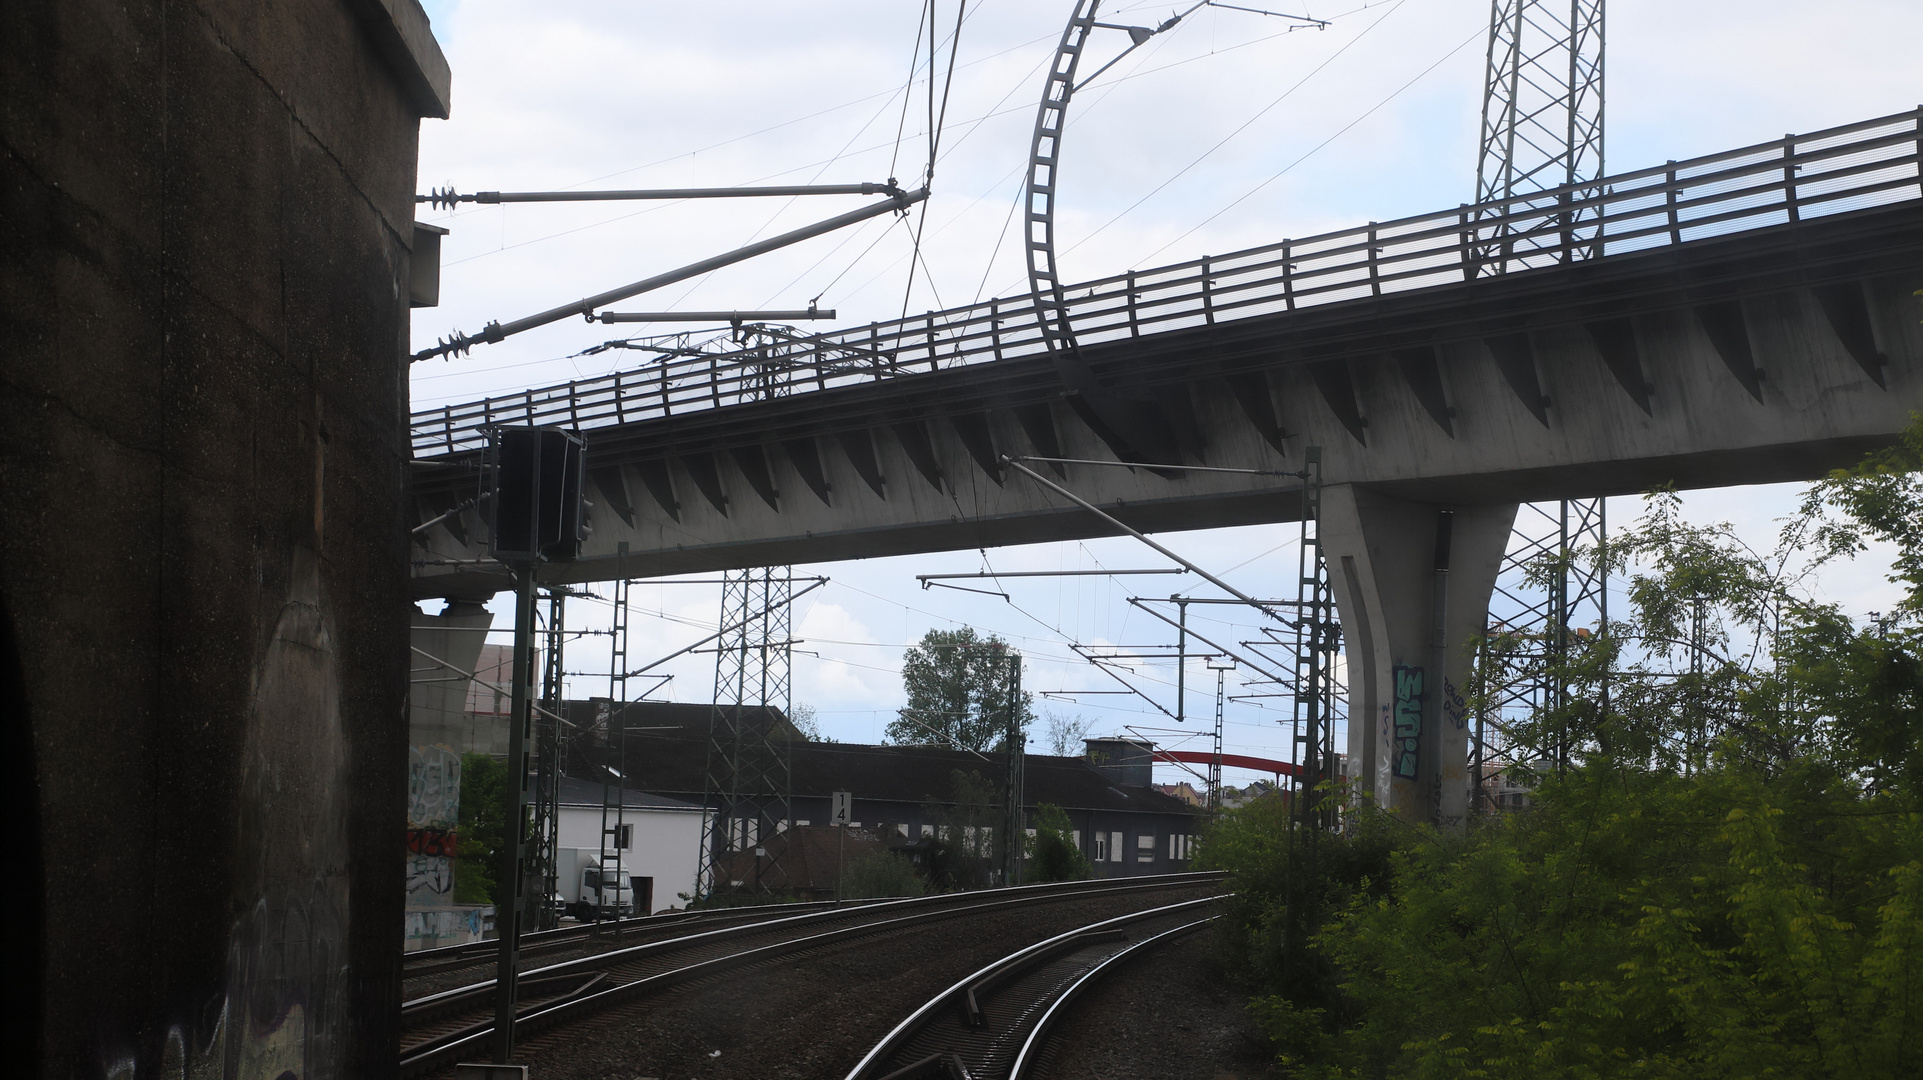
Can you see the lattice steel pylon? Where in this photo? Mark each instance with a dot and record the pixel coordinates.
(616, 838)
(1318, 638)
(748, 783)
(543, 861)
(1535, 626)
(1542, 124)
(1542, 140)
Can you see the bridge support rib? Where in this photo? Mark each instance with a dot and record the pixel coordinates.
(1412, 583)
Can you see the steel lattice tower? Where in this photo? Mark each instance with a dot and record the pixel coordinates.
(544, 853)
(1318, 637)
(1542, 120)
(748, 778)
(1542, 140)
(748, 782)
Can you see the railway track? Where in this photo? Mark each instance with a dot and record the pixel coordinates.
(551, 944)
(457, 1024)
(996, 1023)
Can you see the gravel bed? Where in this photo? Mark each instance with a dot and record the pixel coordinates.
(1172, 1012)
(810, 1015)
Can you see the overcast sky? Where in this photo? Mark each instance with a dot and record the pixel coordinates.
(1226, 132)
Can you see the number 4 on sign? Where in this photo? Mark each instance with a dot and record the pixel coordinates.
(844, 808)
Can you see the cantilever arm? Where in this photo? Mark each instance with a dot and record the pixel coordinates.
(494, 332)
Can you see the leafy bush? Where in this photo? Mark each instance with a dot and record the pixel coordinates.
(1052, 852)
(477, 854)
(1726, 879)
(880, 874)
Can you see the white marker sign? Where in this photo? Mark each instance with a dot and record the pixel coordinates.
(844, 808)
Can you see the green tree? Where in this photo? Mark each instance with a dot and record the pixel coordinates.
(962, 854)
(1065, 733)
(1725, 879)
(958, 688)
(477, 856)
(1052, 852)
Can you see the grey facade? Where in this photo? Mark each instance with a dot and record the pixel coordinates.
(205, 259)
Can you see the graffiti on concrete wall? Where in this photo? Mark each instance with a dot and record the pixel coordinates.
(433, 811)
(433, 787)
(1404, 750)
(448, 926)
(434, 842)
(430, 880)
(1454, 709)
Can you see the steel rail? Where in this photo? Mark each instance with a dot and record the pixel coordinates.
(447, 958)
(446, 1047)
(1838, 170)
(965, 995)
(1027, 1058)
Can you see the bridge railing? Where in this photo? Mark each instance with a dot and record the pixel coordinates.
(1833, 171)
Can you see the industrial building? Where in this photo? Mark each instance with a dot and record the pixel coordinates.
(1119, 820)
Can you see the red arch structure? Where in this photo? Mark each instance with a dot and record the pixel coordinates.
(1239, 761)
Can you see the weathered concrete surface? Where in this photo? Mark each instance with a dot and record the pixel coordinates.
(1745, 359)
(1408, 734)
(204, 265)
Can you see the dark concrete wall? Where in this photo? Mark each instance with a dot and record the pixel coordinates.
(204, 272)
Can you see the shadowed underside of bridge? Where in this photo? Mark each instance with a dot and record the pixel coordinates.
(1773, 354)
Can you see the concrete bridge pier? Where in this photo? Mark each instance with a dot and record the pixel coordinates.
(1412, 583)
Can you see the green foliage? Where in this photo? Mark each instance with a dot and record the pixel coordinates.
(1052, 852)
(962, 853)
(958, 688)
(1726, 880)
(1063, 735)
(802, 716)
(477, 857)
(880, 874)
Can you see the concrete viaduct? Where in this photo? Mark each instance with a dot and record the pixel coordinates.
(1743, 318)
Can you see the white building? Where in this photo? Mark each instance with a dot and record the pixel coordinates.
(656, 839)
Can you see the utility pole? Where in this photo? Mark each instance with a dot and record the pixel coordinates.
(1014, 826)
(537, 474)
(1181, 657)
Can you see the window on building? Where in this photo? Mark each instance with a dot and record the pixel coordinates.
(1076, 836)
(1145, 848)
(1115, 847)
(624, 837)
(1180, 846)
(901, 829)
(928, 830)
(1101, 847)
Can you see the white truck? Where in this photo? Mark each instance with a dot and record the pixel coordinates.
(595, 889)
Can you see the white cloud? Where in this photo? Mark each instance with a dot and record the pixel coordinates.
(623, 94)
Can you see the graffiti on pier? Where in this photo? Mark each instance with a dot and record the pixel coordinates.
(1404, 751)
(433, 812)
(430, 880)
(1454, 708)
(448, 926)
(439, 842)
(433, 787)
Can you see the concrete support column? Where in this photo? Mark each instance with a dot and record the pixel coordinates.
(1412, 583)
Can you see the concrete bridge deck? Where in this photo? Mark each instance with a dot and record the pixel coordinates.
(1741, 318)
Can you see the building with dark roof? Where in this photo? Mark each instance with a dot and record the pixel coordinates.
(903, 793)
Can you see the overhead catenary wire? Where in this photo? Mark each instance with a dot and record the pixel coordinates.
(935, 122)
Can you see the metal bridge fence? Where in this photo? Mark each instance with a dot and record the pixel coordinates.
(1840, 169)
